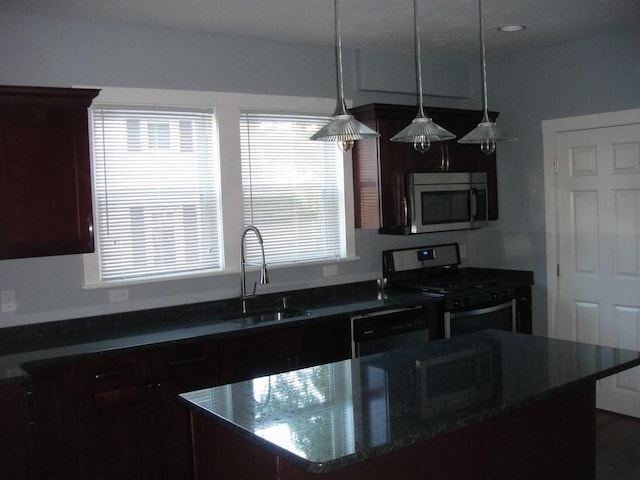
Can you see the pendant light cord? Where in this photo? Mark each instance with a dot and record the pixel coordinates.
(341, 108)
(416, 29)
(483, 64)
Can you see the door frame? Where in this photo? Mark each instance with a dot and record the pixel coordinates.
(550, 131)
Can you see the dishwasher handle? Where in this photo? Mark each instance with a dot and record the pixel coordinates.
(389, 311)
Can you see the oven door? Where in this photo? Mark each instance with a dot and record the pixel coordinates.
(499, 317)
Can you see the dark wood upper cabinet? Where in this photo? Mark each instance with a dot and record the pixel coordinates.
(45, 172)
(380, 165)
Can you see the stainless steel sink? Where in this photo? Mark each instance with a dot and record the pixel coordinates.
(269, 315)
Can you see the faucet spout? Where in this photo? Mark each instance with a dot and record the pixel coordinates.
(264, 277)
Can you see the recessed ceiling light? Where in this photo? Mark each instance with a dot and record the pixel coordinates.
(511, 28)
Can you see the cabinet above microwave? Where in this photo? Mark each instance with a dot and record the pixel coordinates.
(380, 166)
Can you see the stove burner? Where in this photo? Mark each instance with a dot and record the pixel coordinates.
(463, 289)
(457, 285)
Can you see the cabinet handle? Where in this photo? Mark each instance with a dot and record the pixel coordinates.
(29, 406)
(444, 157)
(118, 373)
(186, 361)
(91, 232)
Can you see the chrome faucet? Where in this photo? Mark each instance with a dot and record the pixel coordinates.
(264, 279)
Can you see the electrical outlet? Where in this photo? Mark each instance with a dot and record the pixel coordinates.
(117, 295)
(330, 270)
(8, 298)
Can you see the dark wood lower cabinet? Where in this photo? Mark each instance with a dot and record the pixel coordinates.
(52, 423)
(116, 416)
(117, 432)
(14, 459)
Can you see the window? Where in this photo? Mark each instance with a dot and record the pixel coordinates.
(178, 175)
(292, 188)
(157, 202)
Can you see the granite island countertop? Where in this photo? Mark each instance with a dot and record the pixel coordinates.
(329, 416)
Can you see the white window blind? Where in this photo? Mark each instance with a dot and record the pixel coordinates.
(293, 188)
(157, 192)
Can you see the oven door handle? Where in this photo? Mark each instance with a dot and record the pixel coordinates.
(482, 311)
(449, 316)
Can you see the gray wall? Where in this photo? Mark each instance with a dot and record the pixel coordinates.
(65, 53)
(594, 75)
(589, 76)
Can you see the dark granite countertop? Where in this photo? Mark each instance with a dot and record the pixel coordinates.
(328, 416)
(148, 328)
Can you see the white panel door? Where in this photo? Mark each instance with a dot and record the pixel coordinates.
(598, 248)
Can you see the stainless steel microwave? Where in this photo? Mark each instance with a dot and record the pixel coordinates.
(443, 201)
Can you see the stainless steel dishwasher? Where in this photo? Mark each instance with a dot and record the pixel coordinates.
(388, 329)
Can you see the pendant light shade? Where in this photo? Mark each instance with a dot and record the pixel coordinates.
(343, 127)
(487, 133)
(422, 130)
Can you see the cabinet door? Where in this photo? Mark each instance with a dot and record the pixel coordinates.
(178, 369)
(45, 175)
(52, 422)
(174, 434)
(13, 442)
(118, 437)
(117, 417)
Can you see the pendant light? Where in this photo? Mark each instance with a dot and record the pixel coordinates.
(422, 130)
(343, 127)
(487, 132)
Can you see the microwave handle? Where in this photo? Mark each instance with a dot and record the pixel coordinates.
(474, 203)
(405, 211)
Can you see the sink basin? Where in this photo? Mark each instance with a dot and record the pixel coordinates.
(269, 315)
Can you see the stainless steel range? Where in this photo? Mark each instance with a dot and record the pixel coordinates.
(474, 298)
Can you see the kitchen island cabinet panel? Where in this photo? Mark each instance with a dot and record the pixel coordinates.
(488, 404)
(550, 439)
(45, 172)
(554, 439)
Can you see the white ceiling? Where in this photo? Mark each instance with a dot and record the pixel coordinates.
(449, 27)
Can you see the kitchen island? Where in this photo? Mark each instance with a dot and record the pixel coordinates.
(490, 404)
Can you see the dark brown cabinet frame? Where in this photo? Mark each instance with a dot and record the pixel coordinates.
(380, 165)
